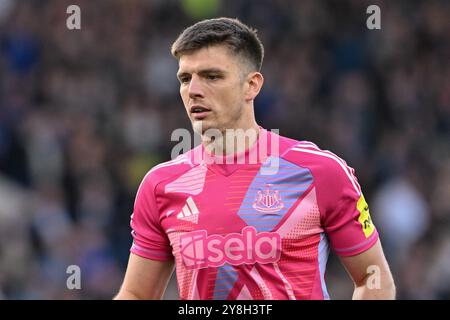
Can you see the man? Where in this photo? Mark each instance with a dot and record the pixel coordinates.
(252, 219)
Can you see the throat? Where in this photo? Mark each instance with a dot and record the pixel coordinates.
(230, 141)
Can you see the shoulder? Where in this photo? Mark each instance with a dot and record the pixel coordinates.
(326, 166)
(306, 153)
(166, 171)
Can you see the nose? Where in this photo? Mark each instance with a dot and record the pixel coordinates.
(195, 87)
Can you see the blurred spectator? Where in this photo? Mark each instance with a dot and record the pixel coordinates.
(402, 217)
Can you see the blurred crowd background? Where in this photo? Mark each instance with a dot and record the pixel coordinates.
(84, 114)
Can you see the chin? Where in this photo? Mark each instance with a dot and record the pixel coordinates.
(201, 126)
(198, 126)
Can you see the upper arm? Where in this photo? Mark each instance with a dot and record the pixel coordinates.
(344, 211)
(145, 278)
(367, 266)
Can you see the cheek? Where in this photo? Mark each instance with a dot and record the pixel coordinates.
(183, 93)
(184, 97)
(233, 101)
(230, 96)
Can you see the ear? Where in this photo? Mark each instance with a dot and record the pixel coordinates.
(254, 83)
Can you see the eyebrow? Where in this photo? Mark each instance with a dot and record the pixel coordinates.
(203, 72)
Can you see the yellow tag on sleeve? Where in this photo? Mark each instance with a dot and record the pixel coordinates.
(364, 217)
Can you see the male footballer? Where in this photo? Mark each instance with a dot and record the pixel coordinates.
(251, 218)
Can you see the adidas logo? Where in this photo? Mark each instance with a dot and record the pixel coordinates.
(189, 212)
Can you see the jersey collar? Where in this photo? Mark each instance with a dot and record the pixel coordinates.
(226, 165)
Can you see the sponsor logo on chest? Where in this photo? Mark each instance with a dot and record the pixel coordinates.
(198, 250)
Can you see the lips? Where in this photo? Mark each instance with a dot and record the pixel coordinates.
(198, 109)
(199, 112)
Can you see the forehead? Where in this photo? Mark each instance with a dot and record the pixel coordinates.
(212, 57)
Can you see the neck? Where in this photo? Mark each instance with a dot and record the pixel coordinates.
(232, 140)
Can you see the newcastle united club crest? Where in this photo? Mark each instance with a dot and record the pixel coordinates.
(268, 200)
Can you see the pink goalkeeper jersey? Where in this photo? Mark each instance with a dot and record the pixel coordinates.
(260, 228)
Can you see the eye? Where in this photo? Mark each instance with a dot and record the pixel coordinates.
(184, 80)
(213, 77)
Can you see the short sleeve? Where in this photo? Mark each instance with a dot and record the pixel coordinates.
(149, 239)
(346, 219)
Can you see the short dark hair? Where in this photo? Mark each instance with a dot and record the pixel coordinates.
(240, 38)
